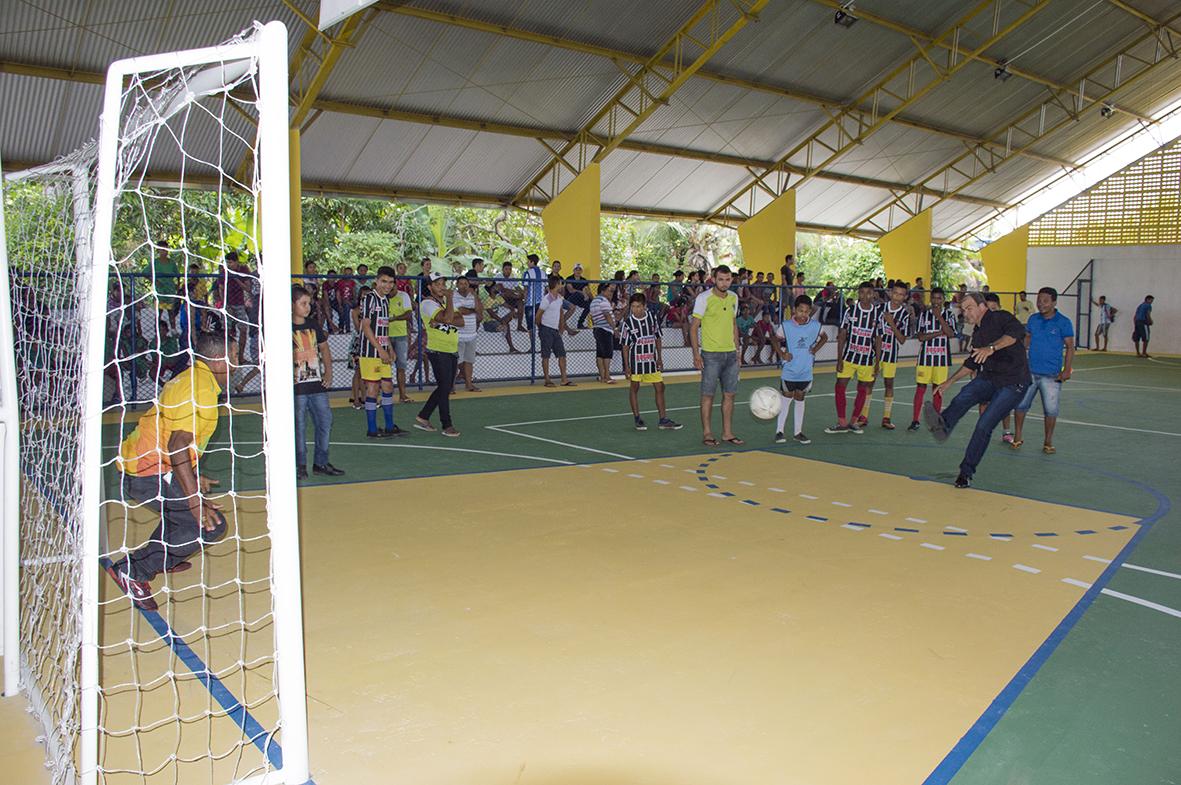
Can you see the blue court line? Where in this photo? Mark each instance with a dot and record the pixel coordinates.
(251, 728)
(970, 741)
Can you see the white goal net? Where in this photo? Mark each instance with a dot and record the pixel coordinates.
(159, 633)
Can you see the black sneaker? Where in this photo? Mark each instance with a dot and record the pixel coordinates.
(963, 481)
(396, 431)
(381, 433)
(855, 427)
(666, 424)
(914, 426)
(640, 425)
(801, 438)
(327, 469)
(837, 429)
(935, 423)
(301, 472)
(780, 438)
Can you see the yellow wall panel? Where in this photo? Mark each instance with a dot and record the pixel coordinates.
(571, 223)
(906, 250)
(769, 235)
(1006, 259)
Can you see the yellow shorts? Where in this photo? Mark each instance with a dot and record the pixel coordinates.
(374, 370)
(648, 378)
(889, 370)
(864, 373)
(930, 374)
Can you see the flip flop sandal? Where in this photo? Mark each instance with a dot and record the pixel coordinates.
(735, 441)
(1048, 450)
(1016, 443)
(710, 442)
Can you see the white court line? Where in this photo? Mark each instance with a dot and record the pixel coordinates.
(1099, 559)
(1137, 567)
(979, 556)
(1104, 367)
(717, 477)
(842, 504)
(917, 520)
(776, 490)
(1041, 547)
(745, 482)
(1076, 582)
(1129, 386)
(932, 546)
(688, 488)
(662, 482)
(954, 529)
(499, 429)
(890, 536)
(1105, 425)
(611, 471)
(447, 449)
(1140, 601)
(1026, 568)
(667, 466)
(806, 496)
(636, 476)
(852, 528)
(878, 512)
(717, 495)
(596, 416)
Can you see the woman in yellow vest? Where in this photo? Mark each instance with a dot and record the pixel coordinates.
(441, 322)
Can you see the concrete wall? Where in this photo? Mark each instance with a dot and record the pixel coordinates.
(1125, 274)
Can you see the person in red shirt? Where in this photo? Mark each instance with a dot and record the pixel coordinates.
(346, 290)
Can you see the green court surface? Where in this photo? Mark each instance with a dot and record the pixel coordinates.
(1102, 708)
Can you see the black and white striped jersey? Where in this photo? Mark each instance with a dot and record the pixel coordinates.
(376, 309)
(638, 337)
(937, 351)
(860, 325)
(889, 341)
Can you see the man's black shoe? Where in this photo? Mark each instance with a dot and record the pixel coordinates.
(963, 481)
(327, 469)
(301, 473)
(381, 433)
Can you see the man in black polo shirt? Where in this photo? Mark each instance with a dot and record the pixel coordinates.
(1001, 372)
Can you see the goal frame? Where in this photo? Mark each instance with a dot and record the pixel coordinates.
(268, 48)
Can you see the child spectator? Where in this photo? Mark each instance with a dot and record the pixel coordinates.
(801, 338)
(313, 376)
(642, 358)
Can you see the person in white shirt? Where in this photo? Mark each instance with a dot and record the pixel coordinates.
(602, 316)
(512, 292)
(553, 310)
(466, 302)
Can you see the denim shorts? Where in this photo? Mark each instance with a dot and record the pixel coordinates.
(551, 342)
(401, 345)
(1049, 387)
(719, 367)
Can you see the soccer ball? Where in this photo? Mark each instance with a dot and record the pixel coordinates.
(765, 403)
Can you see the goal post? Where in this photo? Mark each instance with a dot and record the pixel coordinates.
(181, 658)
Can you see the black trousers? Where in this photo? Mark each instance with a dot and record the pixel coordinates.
(443, 366)
(178, 535)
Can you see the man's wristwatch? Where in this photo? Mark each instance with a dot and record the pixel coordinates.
(992, 347)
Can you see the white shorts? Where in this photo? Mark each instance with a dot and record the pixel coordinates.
(467, 350)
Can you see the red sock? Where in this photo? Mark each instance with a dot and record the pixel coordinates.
(920, 392)
(859, 400)
(937, 399)
(839, 394)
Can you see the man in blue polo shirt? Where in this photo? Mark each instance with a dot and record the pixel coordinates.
(1141, 326)
(1048, 333)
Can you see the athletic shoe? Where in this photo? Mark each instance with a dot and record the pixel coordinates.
(914, 425)
(140, 592)
(666, 424)
(856, 428)
(640, 425)
(780, 438)
(963, 481)
(451, 432)
(396, 431)
(889, 426)
(424, 425)
(327, 469)
(838, 429)
(935, 423)
(801, 438)
(301, 473)
(1007, 437)
(859, 422)
(378, 434)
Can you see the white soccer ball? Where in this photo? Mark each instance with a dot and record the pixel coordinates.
(765, 403)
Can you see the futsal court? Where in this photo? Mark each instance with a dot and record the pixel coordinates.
(557, 598)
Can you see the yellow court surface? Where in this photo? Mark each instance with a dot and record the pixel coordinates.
(662, 621)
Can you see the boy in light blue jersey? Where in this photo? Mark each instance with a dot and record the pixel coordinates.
(796, 341)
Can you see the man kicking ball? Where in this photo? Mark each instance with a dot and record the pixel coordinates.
(802, 338)
(1001, 378)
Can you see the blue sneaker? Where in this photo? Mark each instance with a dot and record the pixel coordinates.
(666, 424)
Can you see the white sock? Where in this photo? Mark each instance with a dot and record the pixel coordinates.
(784, 405)
(799, 416)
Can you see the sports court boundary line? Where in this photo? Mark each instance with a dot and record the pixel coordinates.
(975, 736)
(251, 728)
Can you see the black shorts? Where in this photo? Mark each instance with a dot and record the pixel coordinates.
(604, 344)
(1141, 332)
(551, 342)
(787, 388)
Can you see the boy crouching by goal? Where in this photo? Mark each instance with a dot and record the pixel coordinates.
(158, 469)
(642, 359)
(801, 338)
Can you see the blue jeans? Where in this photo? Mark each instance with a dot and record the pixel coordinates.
(317, 403)
(1000, 400)
(1049, 387)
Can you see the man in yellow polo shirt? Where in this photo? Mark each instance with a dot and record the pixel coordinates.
(158, 468)
(441, 322)
(715, 353)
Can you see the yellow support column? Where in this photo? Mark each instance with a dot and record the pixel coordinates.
(906, 250)
(296, 205)
(571, 224)
(1006, 261)
(769, 235)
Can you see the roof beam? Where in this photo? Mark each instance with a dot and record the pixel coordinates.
(901, 87)
(1124, 68)
(630, 145)
(304, 94)
(622, 56)
(957, 49)
(1153, 24)
(647, 89)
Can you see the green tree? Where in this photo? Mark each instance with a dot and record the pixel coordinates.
(846, 261)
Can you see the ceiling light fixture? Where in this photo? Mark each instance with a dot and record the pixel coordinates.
(1002, 72)
(1107, 110)
(844, 16)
